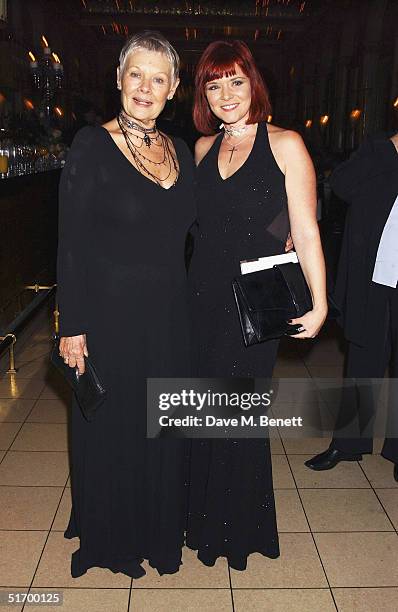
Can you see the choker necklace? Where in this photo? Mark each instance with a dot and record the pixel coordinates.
(135, 126)
(235, 131)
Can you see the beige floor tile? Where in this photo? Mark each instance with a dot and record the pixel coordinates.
(54, 568)
(377, 445)
(27, 388)
(379, 471)
(8, 432)
(296, 391)
(389, 499)
(192, 573)
(15, 410)
(36, 350)
(181, 600)
(49, 411)
(326, 371)
(359, 559)
(59, 391)
(281, 600)
(87, 600)
(346, 474)
(297, 567)
(366, 600)
(28, 507)
(289, 511)
(305, 446)
(281, 473)
(296, 369)
(18, 593)
(42, 437)
(20, 552)
(276, 446)
(325, 353)
(344, 510)
(34, 469)
(33, 368)
(63, 512)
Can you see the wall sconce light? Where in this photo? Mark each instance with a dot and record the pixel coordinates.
(355, 114)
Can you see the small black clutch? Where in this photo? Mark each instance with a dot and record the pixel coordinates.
(266, 299)
(90, 392)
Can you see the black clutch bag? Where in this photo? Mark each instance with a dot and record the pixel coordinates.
(266, 299)
(90, 392)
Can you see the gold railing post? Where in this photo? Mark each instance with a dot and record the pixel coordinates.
(11, 369)
(36, 288)
(56, 318)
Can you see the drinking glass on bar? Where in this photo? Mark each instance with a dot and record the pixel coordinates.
(3, 163)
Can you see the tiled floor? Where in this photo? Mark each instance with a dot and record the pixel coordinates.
(338, 529)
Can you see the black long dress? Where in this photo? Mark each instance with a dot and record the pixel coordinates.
(122, 281)
(232, 510)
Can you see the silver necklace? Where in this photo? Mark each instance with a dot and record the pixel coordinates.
(235, 147)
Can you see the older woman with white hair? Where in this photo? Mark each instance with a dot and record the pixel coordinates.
(126, 204)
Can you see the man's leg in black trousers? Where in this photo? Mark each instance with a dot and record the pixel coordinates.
(353, 429)
(390, 448)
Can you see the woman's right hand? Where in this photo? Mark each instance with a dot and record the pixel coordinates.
(73, 349)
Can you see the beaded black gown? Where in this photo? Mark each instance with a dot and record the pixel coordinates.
(122, 281)
(231, 508)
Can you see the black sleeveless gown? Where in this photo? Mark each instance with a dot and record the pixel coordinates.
(122, 281)
(231, 508)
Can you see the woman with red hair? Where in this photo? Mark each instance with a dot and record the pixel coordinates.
(256, 183)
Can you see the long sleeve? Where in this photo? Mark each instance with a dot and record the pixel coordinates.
(75, 195)
(374, 156)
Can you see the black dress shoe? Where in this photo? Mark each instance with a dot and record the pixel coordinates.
(396, 471)
(329, 459)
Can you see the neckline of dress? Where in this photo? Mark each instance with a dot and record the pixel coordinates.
(259, 127)
(140, 173)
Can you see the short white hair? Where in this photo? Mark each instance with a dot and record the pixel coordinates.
(151, 41)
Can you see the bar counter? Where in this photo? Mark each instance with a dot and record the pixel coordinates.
(28, 238)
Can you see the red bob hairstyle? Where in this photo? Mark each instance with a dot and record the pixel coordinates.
(219, 60)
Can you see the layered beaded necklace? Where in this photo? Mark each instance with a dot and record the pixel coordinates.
(140, 160)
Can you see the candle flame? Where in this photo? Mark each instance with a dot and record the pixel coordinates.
(308, 123)
(269, 118)
(324, 119)
(32, 57)
(58, 111)
(396, 103)
(56, 58)
(44, 39)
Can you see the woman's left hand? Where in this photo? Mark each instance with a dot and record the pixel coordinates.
(312, 322)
